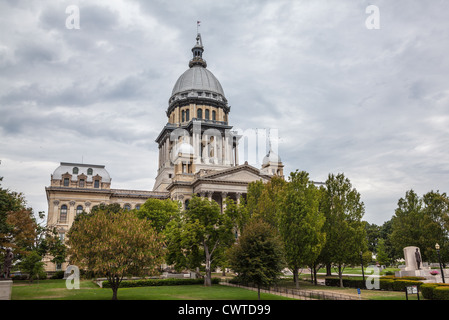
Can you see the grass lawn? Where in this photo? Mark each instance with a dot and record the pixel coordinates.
(56, 290)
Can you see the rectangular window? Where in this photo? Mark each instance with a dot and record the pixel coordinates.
(81, 183)
(66, 182)
(97, 184)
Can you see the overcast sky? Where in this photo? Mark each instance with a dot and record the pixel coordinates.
(345, 98)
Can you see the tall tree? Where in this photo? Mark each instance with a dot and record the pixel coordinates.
(9, 201)
(114, 244)
(269, 202)
(301, 223)
(345, 230)
(257, 256)
(421, 222)
(202, 233)
(159, 212)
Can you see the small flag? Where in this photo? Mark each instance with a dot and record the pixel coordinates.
(198, 23)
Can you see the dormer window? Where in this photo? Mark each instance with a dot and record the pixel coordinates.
(75, 170)
(89, 171)
(81, 183)
(66, 182)
(96, 184)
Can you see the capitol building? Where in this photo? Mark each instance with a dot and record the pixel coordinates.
(198, 155)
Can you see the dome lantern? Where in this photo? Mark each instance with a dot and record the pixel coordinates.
(197, 51)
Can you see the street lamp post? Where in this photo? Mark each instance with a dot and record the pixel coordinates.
(437, 246)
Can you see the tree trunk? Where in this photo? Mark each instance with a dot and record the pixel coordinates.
(114, 292)
(208, 276)
(295, 277)
(314, 274)
(258, 291)
(328, 270)
(311, 273)
(340, 275)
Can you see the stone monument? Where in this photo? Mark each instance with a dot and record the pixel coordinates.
(414, 266)
(412, 256)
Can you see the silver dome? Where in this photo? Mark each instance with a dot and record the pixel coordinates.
(198, 79)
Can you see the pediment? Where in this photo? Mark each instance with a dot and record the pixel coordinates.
(244, 173)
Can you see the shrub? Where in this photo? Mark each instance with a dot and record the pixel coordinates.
(386, 284)
(389, 283)
(441, 293)
(427, 290)
(400, 285)
(159, 282)
(58, 275)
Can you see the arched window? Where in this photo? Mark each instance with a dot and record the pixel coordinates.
(137, 206)
(206, 114)
(75, 170)
(183, 116)
(89, 171)
(63, 214)
(199, 113)
(79, 209)
(187, 115)
(187, 204)
(214, 115)
(127, 206)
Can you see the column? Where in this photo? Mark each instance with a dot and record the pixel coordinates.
(167, 149)
(238, 195)
(236, 153)
(209, 195)
(223, 204)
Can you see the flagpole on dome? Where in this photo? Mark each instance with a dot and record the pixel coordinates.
(198, 25)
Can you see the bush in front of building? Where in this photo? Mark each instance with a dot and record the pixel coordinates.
(435, 291)
(159, 282)
(388, 283)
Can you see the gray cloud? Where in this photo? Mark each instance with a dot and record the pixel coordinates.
(369, 103)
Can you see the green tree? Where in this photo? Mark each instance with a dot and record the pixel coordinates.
(382, 255)
(201, 234)
(10, 201)
(421, 222)
(345, 230)
(115, 244)
(372, 235)
(269, 202)
(385, 234)
(33, 265)
(159, 212)
(257, 256)
(301, 223)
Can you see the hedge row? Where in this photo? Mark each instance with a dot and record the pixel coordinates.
(435, 291)
(385, 283)
(159, 282)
